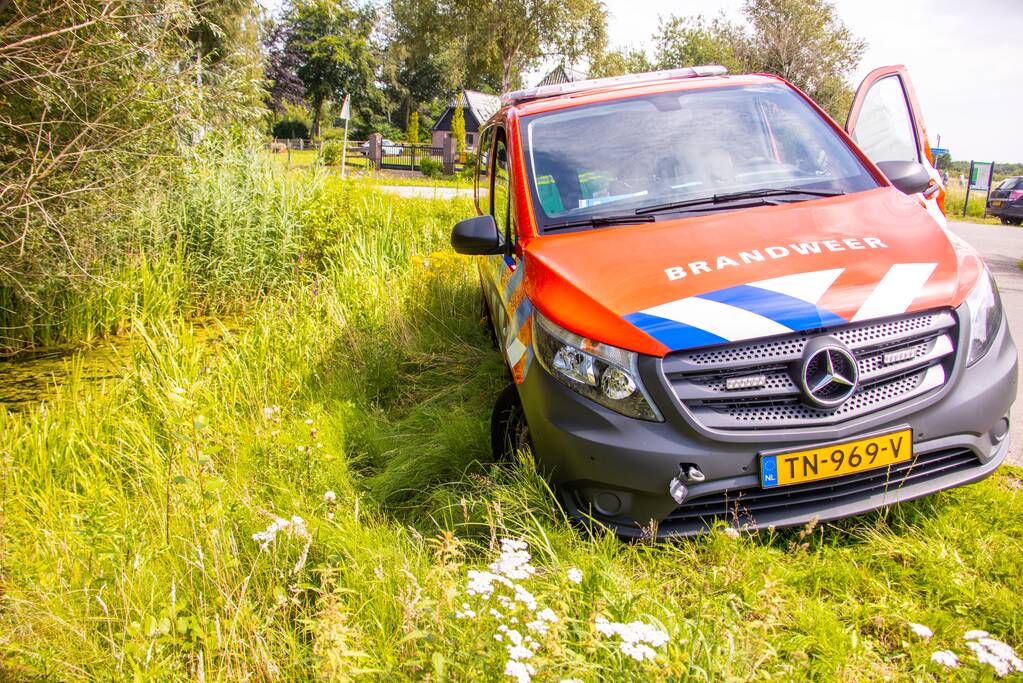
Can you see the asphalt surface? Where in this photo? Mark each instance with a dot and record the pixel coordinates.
(1002, 249)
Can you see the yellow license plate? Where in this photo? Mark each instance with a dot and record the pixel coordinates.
(996, 203)
(836, 460)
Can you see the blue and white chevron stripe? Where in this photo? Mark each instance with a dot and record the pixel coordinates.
(772, 307)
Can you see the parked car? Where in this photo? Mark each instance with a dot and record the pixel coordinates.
(718, 306)
(386, 147)
(1006, 201)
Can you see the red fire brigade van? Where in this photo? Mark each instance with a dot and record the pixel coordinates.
(715, 303)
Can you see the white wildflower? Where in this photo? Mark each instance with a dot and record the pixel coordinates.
(538, 626)
(519, 652)
(945, 658)
(308, 421)
(498, 637)
(638, 638)
(270, 412)
(731, 532)
(514, 636)
(574, 575)
(269, 535)
(571, 680)
(522, 672)
(294, 527)
(975, 635)
(482, 583)
(999, 656)
(465, 614)
(495, 614)
(329, 497)
(638, 651)
(514, 560)
(300, 449)
(921, 630)
(524, 596)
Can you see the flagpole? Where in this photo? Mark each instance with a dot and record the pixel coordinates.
(344, 150)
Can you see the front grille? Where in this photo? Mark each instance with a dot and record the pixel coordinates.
(920, 351)
(746, 506)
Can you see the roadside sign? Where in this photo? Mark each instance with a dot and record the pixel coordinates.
(980, 175)
(346, 111)
(938, 151)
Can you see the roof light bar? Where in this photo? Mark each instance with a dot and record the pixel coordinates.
(546, 91)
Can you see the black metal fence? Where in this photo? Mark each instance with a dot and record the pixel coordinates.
(407, 156)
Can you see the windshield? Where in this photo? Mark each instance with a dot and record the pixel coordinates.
(622, 156)
(1010, 183)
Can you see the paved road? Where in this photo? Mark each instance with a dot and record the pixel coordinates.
(1002, 248)
(427, 192)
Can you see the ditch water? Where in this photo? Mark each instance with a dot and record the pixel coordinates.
(33, 376)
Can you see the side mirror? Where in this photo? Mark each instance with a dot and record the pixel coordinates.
(908, 176)
(477, 235)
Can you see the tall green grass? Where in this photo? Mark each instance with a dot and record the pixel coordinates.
(129, 506)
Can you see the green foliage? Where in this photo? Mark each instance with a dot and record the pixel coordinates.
(620, 62)
(100, 103)
(331, 152)
(290, 129)
(332, 37)
(468, 172)
(458, 129)
(412, 135)
(803, 41)
(430, 167)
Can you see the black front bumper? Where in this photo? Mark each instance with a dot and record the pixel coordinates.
(617, 470)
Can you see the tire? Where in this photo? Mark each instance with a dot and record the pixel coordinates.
(1004, 220)
(509, 431)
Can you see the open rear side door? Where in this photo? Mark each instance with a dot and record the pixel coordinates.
(886, 122)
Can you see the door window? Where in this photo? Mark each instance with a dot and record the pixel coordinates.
(885, 128)
(483, 170)
(499, 204)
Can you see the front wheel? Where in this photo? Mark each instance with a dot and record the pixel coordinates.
(509, 431)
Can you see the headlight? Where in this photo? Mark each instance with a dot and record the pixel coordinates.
(601, 373)
(985, 306)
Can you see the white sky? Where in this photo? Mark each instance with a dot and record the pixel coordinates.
(964, 58)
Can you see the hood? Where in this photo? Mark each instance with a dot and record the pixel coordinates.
(740, 275)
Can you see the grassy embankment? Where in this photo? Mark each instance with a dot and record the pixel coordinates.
(129, 507)
(954, 199)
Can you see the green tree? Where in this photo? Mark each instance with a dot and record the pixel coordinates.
(620, 62)
(803, 41)
(806, 43)
(413, 127)
(691, 41)
(458, 129)
(332, 37)
(513, 35)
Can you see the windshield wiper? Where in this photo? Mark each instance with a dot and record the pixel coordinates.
(737, 196)
(600, 221)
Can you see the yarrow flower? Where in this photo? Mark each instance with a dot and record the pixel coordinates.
(730, 531)
(638, 638)
(999, 656)
(975, 635)
(574, 575)
(945, 658)
(294, 527)
(329, 497)
(514, 560)
(921, 630)
(520, 671)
